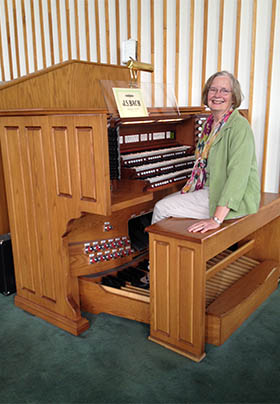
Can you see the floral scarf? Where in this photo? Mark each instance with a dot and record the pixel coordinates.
(198, 175)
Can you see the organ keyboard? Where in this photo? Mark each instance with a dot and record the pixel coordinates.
(149, 156)
(172, 164)
(155, 175)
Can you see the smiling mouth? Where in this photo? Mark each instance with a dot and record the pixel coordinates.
(217, 101)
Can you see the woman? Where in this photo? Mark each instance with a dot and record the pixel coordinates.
(224, 183)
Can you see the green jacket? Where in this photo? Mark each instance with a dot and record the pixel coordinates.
(232, 172)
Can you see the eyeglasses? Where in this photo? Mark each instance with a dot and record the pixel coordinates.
(223, 91)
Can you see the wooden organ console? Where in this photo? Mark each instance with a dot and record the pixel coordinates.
(81, 185)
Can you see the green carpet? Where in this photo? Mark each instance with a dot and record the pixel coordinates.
(114, 362)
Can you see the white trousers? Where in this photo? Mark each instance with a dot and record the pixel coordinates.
(193, 205)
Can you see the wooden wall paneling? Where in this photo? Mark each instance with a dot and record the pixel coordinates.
(97, 31)
(87, 31)
(10, 61)
(252, 64)
(2, 67)
(33, 35)
(191, 50)
(68, 30)
(25, 37)
(220, 37)
(164, 27)
(107, 28)
(50, 31)
(77, 30)
(43, 40)
(118, 32)
(177, 47)
(128, 17)
(268, 93)
(139, 38)
(152, 27)
(16, 39)
(237, 38)
(59, 33)
(204, 49)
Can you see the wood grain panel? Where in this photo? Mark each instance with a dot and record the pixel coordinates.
(50, 31)
(75, 85)
(62, 161)
(204, 48)
(58, 20)
(118, 31)
(177, 275)
(252, 66)
(139, 37)
(107, 27)
(1, 59)
(190, 73)
(237, 38)
(220, 37)
(19, 208)
(128, 18)
(268, 94)
(87, 166)
(185, 326)
(77, 30)
(10, 60)
(35, 59)
(97, 30)
(161, 288)
(68, 30)
(177, 48)
(164, 69)
(87, 31)
(38, 172)
(16, 39)
(152, 12)
(43, 40)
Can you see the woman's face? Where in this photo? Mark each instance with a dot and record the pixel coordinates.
(220, 95)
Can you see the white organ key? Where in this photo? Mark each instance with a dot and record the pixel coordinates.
(163, 163)
(147, 154)
(168, 176)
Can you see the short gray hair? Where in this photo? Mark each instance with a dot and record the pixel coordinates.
(237, 95)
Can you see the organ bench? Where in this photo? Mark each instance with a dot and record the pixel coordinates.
(202, 289)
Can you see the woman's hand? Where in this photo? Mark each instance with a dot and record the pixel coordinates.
(202, 226)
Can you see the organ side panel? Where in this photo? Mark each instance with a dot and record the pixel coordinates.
(177, 296)
(46, 161)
